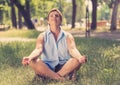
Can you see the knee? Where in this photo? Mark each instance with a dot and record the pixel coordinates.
(34, 62)
(74, 60)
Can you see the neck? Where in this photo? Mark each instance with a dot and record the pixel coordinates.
(55, 29)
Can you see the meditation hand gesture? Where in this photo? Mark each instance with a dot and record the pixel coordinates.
(26, 60)
(83, 59)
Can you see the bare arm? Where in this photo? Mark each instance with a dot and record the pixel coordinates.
(36, 52)
(39, 47)
(73, 50)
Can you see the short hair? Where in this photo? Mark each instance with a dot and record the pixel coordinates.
(55, 9)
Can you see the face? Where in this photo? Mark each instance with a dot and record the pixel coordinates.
(54, 18)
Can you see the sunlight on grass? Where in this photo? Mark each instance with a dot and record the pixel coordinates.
(15, 76)
(20, 33)
(102, 68)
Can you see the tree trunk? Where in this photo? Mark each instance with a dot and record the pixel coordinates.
(27, 6)
(27, 19)
(94, 15)
(73, 13)
(13, 15)
(1, 16)
(2, 12)
(19, 20)
(114, 16)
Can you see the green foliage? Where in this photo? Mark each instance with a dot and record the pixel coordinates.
(102, 67)
(103, 12)
(4, 11)
(40, 8)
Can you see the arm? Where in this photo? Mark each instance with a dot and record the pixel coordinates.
(39, 47)
(36, 52)
(73, 50)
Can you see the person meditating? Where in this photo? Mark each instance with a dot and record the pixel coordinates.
(57, 50)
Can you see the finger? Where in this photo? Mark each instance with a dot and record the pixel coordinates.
(29, 61)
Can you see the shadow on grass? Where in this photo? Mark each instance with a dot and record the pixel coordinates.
(11, 53)
(37, 80)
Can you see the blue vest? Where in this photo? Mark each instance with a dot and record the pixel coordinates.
(55, 52)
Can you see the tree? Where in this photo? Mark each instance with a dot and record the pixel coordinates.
(13, 15)
(94, 15)
(27, 7)
(1, 11)
(113, 5)
(80, 10)
(25, 14)
(114, 15)
(19, 20)
(73, 13)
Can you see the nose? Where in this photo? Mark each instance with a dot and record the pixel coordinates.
(56, 15)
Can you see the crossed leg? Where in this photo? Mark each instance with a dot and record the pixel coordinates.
(42, 69)
(71, 65)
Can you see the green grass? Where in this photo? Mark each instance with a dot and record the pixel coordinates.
(19, 33)
(102, 68)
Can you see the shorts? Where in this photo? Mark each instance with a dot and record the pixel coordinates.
(57, 68)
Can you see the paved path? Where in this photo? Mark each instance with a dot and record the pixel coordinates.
(106, 35)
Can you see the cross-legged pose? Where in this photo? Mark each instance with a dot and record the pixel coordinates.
(57, 50)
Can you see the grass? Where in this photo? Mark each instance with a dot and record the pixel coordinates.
(102, 68)
(19, 33)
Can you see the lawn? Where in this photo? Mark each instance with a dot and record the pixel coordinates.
(102, 68)
(19, 33)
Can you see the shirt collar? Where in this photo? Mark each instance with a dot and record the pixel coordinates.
(61, 34)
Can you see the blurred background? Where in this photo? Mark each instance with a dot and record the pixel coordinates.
(82, 14)
(21, 21)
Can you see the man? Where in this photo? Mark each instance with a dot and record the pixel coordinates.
(59, 55)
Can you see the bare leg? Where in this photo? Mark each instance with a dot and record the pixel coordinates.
(42, 69)
(71, 65)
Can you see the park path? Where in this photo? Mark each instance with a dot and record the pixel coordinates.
(105, 35)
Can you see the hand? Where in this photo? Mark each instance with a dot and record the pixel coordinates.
(83, 59)
(26, 60)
